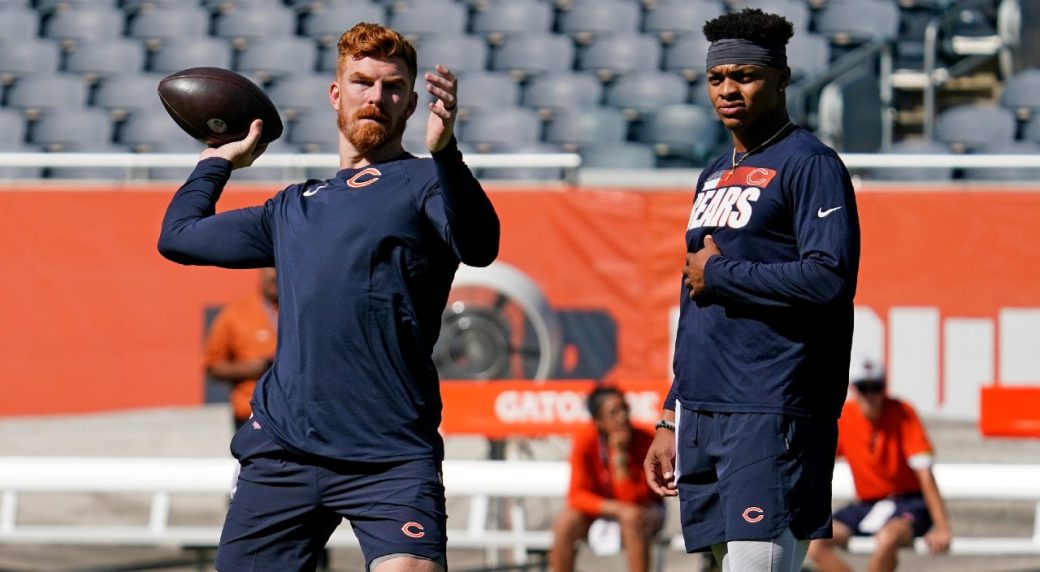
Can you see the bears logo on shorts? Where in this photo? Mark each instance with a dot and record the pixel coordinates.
(413, 529)
(753, 514)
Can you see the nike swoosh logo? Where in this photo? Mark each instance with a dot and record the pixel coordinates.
(822, 213)
(314, 191)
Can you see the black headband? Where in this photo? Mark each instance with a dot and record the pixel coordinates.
(739, 51)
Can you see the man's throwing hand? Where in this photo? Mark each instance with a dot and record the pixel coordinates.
(693, 270)
(240, 153)
(444, 86)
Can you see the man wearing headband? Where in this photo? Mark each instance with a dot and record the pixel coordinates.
(749, 427)
(890, 456)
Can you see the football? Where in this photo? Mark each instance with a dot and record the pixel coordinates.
(216, 106)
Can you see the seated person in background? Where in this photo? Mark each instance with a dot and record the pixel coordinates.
(608, 481)
(241, 342)
(891, 460)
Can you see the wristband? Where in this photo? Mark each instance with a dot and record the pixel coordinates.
(665, 424)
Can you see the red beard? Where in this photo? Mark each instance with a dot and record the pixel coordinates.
(367, 136)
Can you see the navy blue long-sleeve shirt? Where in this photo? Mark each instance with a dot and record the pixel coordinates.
(365, 263)
(772, 332)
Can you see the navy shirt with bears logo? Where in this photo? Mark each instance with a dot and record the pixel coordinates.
(772, 333)
(365, 263)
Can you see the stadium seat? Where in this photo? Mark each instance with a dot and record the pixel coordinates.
(228, 6)
(1021, 93)
(80, 173)
(970, 127)
(797, 11)
(551, 92)
(689, 133)
(18, 22)
(490, 130)
(13, 128)
(16, 173)
(36, 94)
(414, 139)
(125, 94)
(84, 23)
(687, 55)
(486, 91)
(276, 57)
(48, 7)
(853, 23)
(669, 20)
(176, 145)
(585, 21)
(617, 55)
(913, 174)
(429, 18)
(1031, 130)
(524, 55)
(28, 56)
(460, 53)
(315, 132)
(639, 92)
(294, 95)
(258, 172)
(176, 54)
(807, 55)
(523, 173)
(242, 26)
(61, 129)
(617, 156)
(160, 24)
(97, 59)
(573, 129)
(140, 6)
(502, 19)
(143, 132)
(1022, 174)
(328, 24)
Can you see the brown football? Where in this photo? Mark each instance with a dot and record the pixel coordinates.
(216, 106)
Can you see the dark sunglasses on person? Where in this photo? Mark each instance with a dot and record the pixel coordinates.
(867, 387)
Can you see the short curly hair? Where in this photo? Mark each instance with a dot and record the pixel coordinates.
(750, 24)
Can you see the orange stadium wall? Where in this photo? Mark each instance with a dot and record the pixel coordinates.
(92, 318)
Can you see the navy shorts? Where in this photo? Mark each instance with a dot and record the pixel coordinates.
(750, 476)
(286, 507)
(910, 507)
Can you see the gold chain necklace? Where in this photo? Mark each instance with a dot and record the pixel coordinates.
(736, 163)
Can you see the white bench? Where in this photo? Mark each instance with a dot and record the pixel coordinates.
(479, 481)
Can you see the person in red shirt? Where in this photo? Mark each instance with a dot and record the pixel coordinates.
(607, 481)
(241, 343)
(891, 459)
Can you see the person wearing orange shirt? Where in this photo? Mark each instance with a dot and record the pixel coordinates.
(607, 481)
(241, 343)
(890, 456)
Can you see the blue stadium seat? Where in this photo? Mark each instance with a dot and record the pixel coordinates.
(670, 20)
(573, 129)
(18, 22)
(143, 132)
(551, 92)
(297, 94)
(315, 132)
(125, 94)
(228, 6)
(48, 7)
(176, 54)
(414, 139)
(499, 20)
(328, 24)
(175, 145)
(853, 23)
(687, 55)
(969, 127)
(486, 91)
(429, 18)
(1031, 130)
(28, 56)
(797, 11)
(617, 156)
(640, 92)
(98, 59)
(244, 26)
(913, 147)
(276, 57)
(85, 23)
(1021, 93)
(37, 94)
(523, 173)
(807, 55)
(689, 133)
(490, 130)
(61, 129)
(585, 21)
(138, 6)
(525, 55)
(160, 24)
(13, 128)
(1022, 174)
(80, 173)
(617, 55)
(460, 53)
